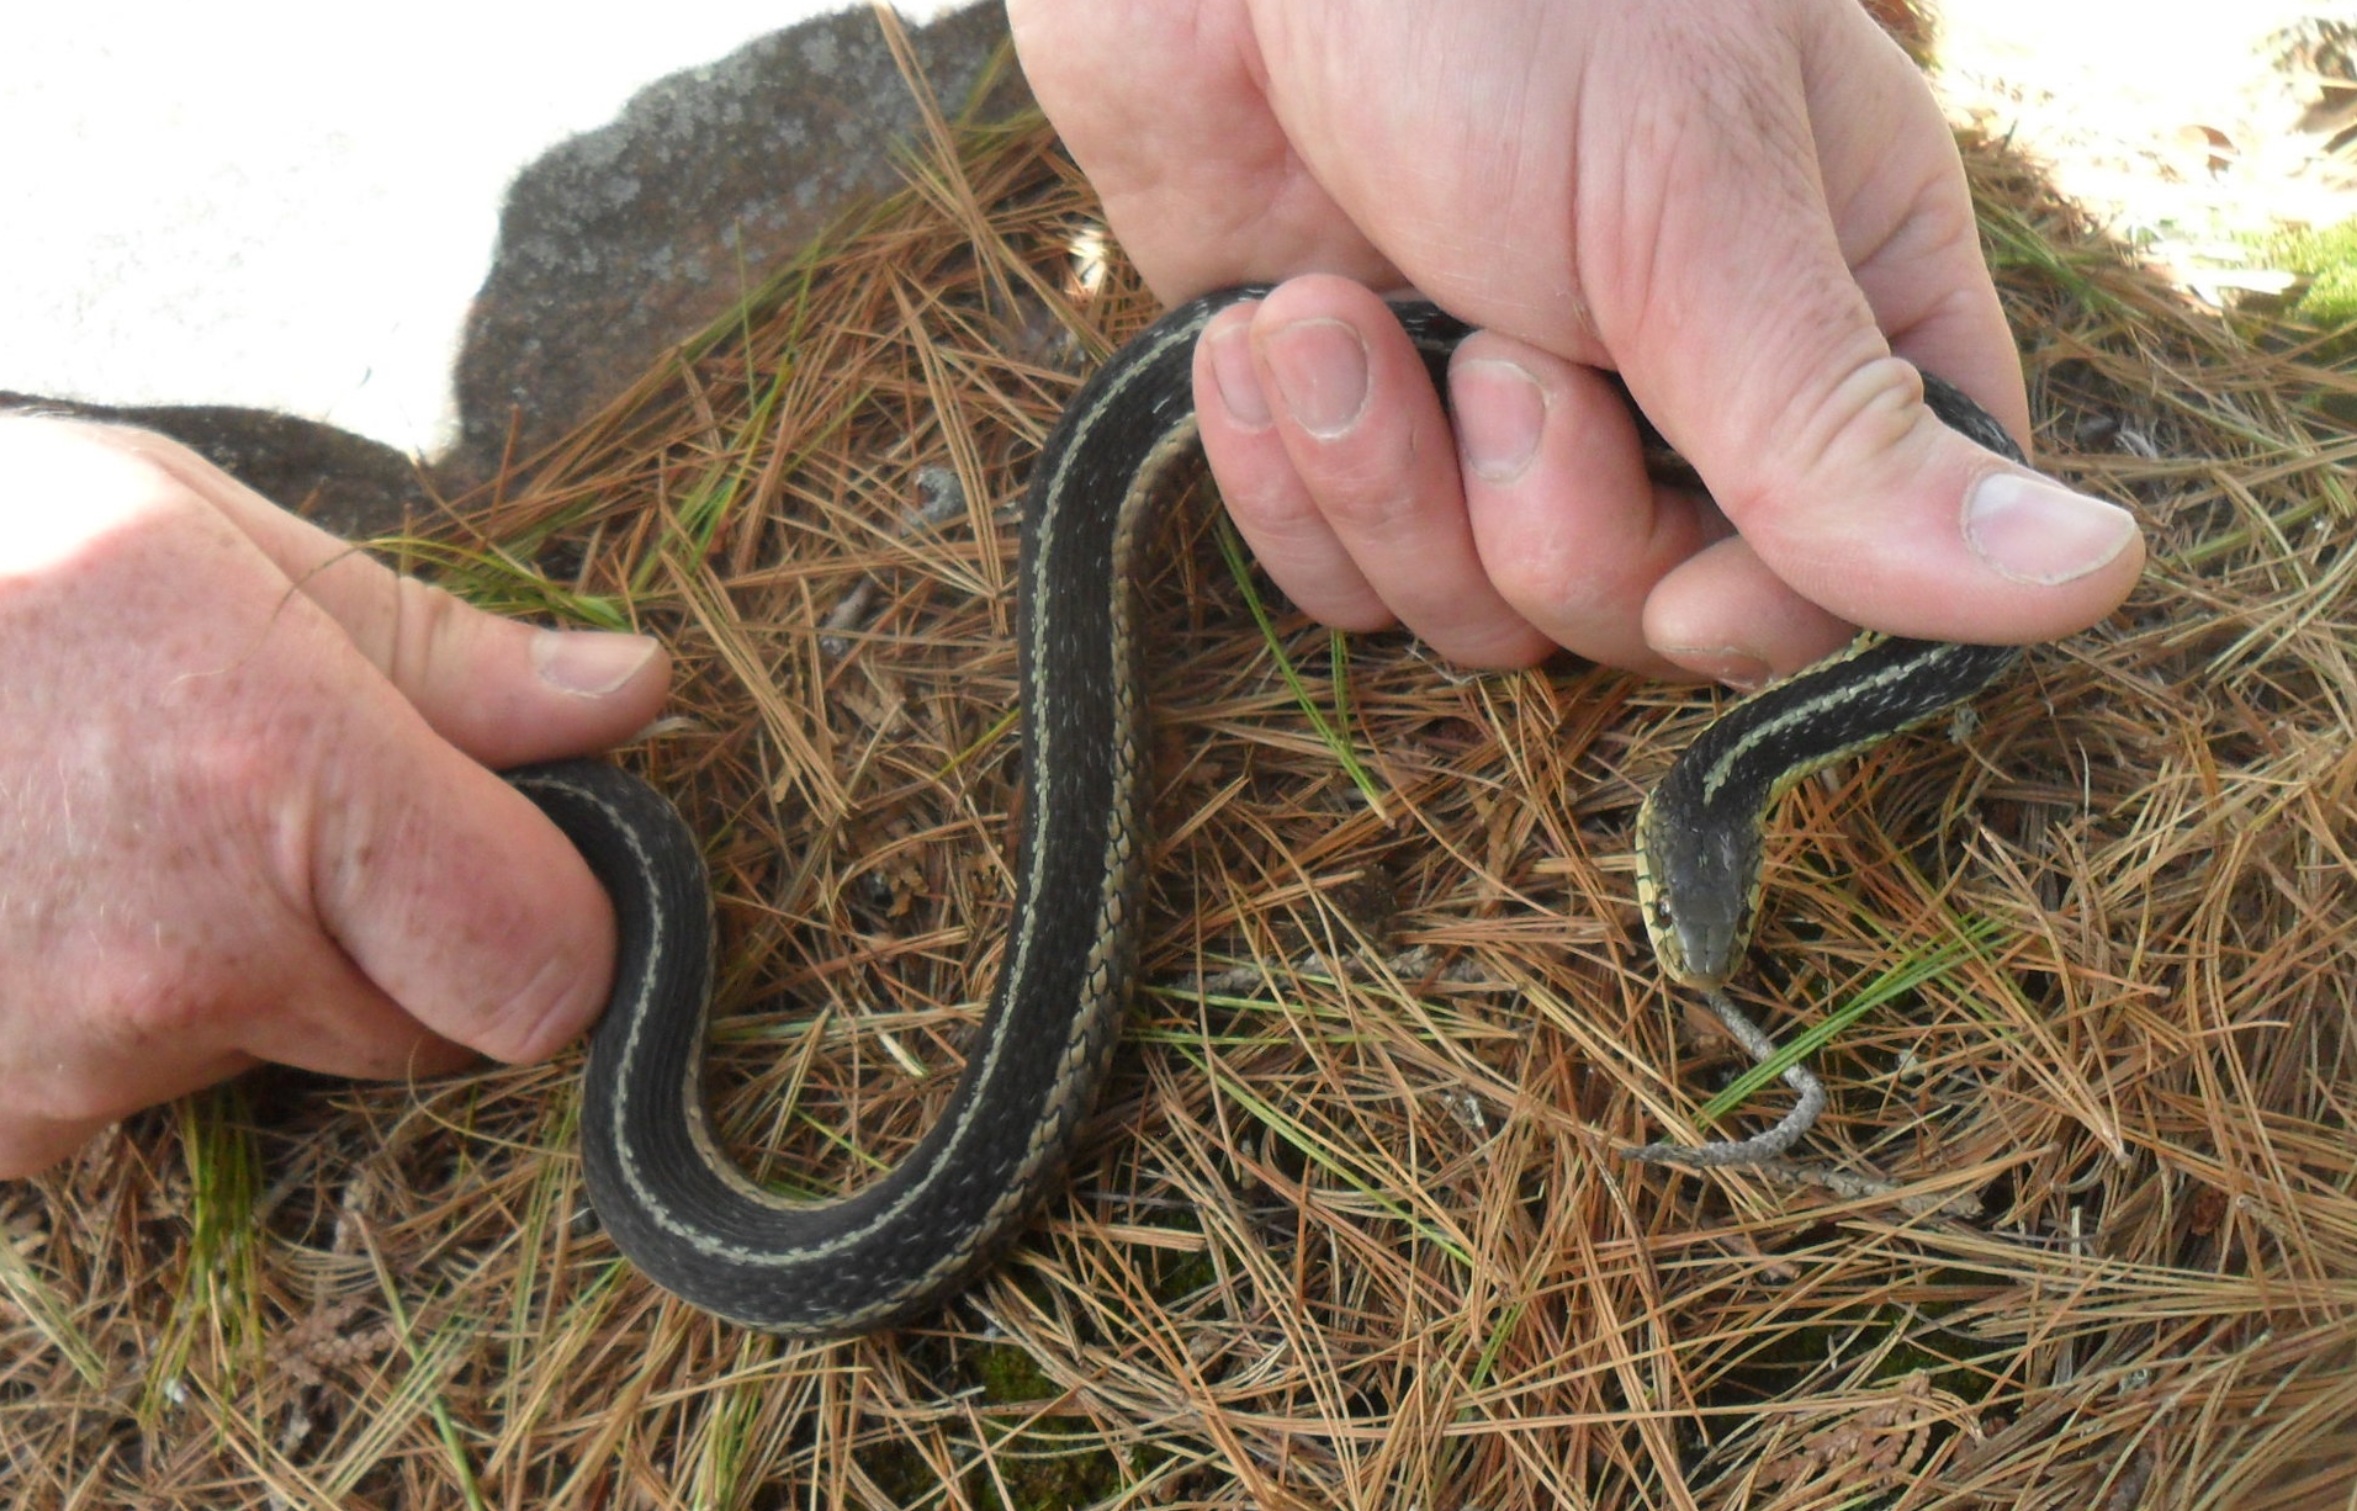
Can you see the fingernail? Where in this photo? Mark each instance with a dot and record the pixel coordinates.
(589, 663)
(1728, 664)
(2033, 531)
(1321, 372)
(1499, 411)
(1239, 384)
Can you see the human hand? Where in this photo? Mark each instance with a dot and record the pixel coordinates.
(244, 814)
(1741, 208)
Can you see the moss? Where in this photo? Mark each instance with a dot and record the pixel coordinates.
(1008, 1375)
(2326, 261)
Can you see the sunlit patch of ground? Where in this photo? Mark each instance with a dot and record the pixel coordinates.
(2198, 131)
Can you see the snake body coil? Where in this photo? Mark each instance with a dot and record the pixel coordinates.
(679, 1207)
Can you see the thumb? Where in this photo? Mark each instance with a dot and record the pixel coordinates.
(1774, 373)
(447, 889)
(1853, 493)
(504, 692)
(458, 899)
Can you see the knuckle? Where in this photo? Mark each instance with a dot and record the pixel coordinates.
(547, 1009)
(417, 620)
(1363, 505)
(1268, 507)
(1845, 430)
(1556, 586)
(163, 1003)
(1529, 579)
(233, 764)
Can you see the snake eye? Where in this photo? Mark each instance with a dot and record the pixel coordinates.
(1669, 941)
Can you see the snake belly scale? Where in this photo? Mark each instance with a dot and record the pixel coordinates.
(680, 1208)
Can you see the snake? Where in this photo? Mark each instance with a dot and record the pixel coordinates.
(679, 1207)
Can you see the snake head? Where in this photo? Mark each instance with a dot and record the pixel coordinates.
(1699, 884)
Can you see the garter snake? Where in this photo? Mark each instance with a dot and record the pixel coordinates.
(679, 1208)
